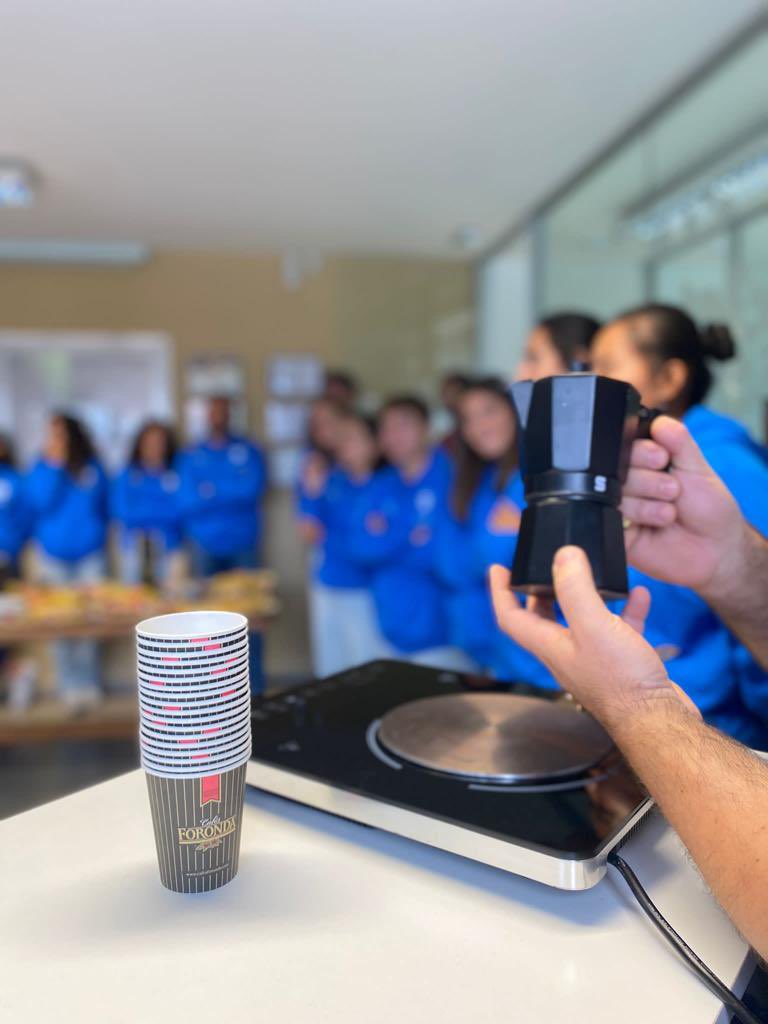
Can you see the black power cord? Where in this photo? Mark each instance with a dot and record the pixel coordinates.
(697, 965)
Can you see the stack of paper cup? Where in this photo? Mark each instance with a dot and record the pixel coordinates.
(195, 741)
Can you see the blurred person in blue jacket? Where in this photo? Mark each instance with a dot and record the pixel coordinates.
(222, 482)
(557, 344)
(445, 419)
(319, 457)
(15, 519)
(341, 388)
(478, 527)
(67, 492)
(145, 506)
(661, 351)
(393, 537)
(343, 622)
(15, 526)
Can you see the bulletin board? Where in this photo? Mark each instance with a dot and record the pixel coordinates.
(113, 381)
(293, 380)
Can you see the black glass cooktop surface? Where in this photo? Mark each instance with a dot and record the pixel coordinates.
(328, 731)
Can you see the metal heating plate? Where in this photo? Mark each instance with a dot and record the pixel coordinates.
(497, 737)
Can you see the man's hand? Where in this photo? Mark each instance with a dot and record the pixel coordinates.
(601, 658)
(686, 528)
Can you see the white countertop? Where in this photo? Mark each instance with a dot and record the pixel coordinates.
(330, 921)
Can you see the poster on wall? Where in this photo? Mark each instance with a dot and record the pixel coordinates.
(285, 422)
(113, 381)
(293, 380)
(284, 465)
(209, 377)
(295, 376)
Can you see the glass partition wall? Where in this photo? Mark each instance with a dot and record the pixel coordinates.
(677, 213)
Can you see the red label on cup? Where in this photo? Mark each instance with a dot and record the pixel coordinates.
(209, 789)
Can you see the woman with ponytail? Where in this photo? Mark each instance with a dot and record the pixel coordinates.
(661, 351)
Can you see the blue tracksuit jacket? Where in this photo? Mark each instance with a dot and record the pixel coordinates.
(464, 551)
(701, 655)
(70, 514)
(220, 490)
(147, 501)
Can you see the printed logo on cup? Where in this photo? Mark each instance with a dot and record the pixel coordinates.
(207, 836)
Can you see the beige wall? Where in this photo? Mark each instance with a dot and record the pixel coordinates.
(387, 319)
(398, 322)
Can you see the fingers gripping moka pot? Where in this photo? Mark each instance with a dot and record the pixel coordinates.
(576, 432)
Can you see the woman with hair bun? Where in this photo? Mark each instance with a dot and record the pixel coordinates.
(668, 359)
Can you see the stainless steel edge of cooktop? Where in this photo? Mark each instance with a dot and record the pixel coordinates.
(559, 872)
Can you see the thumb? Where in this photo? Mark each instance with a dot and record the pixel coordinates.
(675, 437)
(582, 606)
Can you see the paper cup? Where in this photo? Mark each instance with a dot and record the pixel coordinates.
(186, 726)
(210, 695)
(176, 659)
(166, 727)
(173, 664)
(199, 763)
(189, 652)
(204, 678)
(203, 691)
(197, 824)
(194, 757)
(189, 728)
(234, 698)
(158, 688)
(196, 766)
(185, 745)
(187, 627)
(211, 732)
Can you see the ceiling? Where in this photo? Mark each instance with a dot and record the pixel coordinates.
(711, 125)
(331, 125)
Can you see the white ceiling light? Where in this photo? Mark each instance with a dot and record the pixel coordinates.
(16, 184)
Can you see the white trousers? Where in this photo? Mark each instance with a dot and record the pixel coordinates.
(345, 632)
(343, 628)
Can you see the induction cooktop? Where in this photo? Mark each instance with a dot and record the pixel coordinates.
(508, 775)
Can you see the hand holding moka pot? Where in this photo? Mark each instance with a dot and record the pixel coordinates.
(576, 432)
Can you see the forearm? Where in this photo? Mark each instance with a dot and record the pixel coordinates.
(714, 793)
(739, 595)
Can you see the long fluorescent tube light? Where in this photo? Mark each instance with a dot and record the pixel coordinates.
(56, 251)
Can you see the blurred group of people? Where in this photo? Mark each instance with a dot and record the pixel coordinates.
(401, 520)
(402, 526)
(204, 500)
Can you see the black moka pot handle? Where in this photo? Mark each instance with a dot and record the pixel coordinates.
(645, 419)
